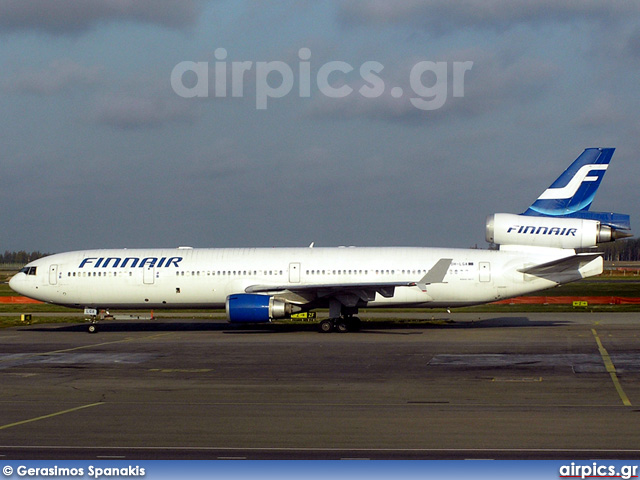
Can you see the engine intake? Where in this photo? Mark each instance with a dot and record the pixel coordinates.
(256, 308)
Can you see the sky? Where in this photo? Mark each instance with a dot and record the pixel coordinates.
(142, 123)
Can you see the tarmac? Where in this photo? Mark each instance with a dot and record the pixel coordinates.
(523, 386)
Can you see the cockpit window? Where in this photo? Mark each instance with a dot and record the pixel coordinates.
(29, 270)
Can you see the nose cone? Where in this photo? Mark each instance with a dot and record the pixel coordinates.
(16, 281)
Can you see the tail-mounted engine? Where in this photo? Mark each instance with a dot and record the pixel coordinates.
(565, 232)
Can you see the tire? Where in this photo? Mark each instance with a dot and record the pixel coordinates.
(342, 326)
(326, 326)
(93, 328)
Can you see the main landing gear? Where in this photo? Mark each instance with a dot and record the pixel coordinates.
(342, 324)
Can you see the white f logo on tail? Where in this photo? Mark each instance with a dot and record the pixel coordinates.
(572, 187)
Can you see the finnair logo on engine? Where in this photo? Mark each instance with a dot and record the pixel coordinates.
(131, 262)
(542, 230)
(570, 189)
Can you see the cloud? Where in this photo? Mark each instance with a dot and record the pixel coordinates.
(60, 75)
(439, 16)
(129, 112)
(604, 110)
(633, 44)
(495, 80)
(74, 16)
(503, 80)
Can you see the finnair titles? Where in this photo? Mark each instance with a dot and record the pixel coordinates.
(533, 230)
(133, 262)
(256, 285)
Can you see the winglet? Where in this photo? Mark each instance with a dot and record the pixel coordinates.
(436, 274)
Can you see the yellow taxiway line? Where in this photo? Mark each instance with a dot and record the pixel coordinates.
(611, 369)
(43, 417)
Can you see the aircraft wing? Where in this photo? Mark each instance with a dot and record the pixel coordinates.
(573, 262)
(364, 291)
(385, 289)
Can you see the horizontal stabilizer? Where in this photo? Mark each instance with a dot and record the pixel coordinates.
(573, 262)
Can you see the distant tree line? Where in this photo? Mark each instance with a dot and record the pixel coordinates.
(21, 257)
(622, 250)
(627, 250)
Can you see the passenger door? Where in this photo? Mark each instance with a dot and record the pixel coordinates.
(294, 273)
(149, 275)
(485, 272)
(53, 274)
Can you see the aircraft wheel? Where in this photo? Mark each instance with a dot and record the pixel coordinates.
(93, 328)
(342, 326)
(326, 326)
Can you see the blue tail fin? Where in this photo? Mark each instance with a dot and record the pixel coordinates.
(572, 193)
(574, 190)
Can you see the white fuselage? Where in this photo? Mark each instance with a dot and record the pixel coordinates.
(204, 278)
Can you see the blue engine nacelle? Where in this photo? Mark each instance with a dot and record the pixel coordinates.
(256, 308)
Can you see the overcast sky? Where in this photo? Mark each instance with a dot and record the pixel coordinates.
(99, 149)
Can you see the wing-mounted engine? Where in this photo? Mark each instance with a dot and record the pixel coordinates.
(256, 308)
(554, 232)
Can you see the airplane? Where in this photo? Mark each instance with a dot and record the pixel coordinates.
(258, 285)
